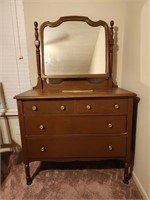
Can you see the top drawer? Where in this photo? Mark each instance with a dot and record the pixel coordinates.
(48, 106)
(114, 105)
(102, 105)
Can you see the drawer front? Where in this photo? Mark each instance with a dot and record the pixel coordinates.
(79, 106)
(48, 106)
(102, 105)
(76, 147)
(62, 125)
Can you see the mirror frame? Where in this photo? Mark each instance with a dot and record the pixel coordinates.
(108, 46)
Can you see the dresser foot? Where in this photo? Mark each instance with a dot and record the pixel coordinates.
(28, 177)
(126, 181)
(29, 182)
(126, 173)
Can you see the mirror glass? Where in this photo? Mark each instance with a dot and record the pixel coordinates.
(74, 48)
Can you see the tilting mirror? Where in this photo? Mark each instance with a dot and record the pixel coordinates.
(74, 47)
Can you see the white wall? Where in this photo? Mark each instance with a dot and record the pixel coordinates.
(135, 76)
(132, 60)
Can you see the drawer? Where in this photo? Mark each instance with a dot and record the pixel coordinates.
(102, 105)
(78, 106)
(74, 124)
(76, 147)
(48, 106)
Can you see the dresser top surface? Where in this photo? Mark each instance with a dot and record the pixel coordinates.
(54, 94)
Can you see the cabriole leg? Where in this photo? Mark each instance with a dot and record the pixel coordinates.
(27, 171)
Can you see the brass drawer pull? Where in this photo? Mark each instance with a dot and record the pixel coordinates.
(116, 106)
(42, 127)
(110, 125)
(110, 148)
(88, 107)
(62, 108)
(43, 149)
(34, 108)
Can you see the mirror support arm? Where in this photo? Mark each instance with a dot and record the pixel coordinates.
(111, 43)
(37, 45)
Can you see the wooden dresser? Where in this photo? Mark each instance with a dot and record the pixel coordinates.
(76, 120)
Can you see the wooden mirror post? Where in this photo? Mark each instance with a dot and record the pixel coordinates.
(38, 60)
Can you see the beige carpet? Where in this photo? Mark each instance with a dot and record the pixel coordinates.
(49, 182)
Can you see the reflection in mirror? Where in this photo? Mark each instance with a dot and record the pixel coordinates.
(74, 48)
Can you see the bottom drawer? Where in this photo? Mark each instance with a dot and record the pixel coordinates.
(76, 147)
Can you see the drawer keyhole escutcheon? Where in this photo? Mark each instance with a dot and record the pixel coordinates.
(43, 149)
(88, 107)
(34, 108)
(110, 148)
(110, 125)
(62, 108)
(42, 127)
(116, 106)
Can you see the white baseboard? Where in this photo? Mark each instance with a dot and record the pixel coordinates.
(140, 187)
(8, 112)
(5, 149)
(11, 112)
